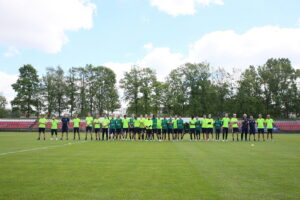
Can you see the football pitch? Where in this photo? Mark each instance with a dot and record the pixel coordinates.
(33, 169)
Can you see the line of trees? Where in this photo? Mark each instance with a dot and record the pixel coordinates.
(195, 89)
(190, 89)
(80, 90)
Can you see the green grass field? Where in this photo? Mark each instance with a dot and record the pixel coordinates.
(148, 170)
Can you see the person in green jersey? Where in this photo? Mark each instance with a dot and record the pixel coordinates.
(136, 124)
(164, 128)
(270, 125)
(105, 126)
(154, 127)
(89, 126)
(260, 126)
(76, 125)
(148, 126)
(125, 124)
(192, 124)
(204, 126)
(42, 126)
(158, 128)
(144, 132)
(170, 128)
(119, 127)
(175, 128)
(218, 124)
(112, 127)
(210, 127)
(225, 126)
(197, 128)
(54, 127)
(131, 127)
(180, 128)
(235, 127)
(97, 126)
(142, 126)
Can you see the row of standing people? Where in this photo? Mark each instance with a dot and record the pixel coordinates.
(147, 127)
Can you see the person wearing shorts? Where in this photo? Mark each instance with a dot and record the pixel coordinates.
(148, 125)
(112, 128)
(204, 126)
(164, 128)
(119, 128)
(131, 127)
(192, 124)
(209, 127)
(42, 126)
(175, 129)
(136, 130)
(97, 126)
(158, 128)
(225, 126)
(260, 122)
(270, 125)
(125, 125)
(105, 126)
(197, 128)
(142, 126)
(235, 127)
(89, 126)
(170, 128)
(76, 125)
(54, 127)
(180, 128)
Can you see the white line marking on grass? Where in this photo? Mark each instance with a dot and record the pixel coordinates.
(40, 148)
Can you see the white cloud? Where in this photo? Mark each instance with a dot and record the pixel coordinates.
(6, 90)
(226, 49)
(161, 59)
(230, 49)
(119, 68)
(148, 46)
(12, 51)
(182, 7)
(42, 24)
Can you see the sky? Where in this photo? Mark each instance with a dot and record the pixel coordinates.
(160, 34)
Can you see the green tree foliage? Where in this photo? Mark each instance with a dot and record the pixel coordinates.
(72, 90)
(131, 86)
(97, 90)
(3, 103)
(27, 87)
(190, 89)
(140, 87)
(249, 93)
(278, 79)
(54, 91)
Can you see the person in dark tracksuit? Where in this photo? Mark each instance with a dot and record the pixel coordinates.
(252, 127)
(245, 124)
(218, 124)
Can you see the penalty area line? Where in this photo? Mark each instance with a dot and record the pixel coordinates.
(40, 148)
